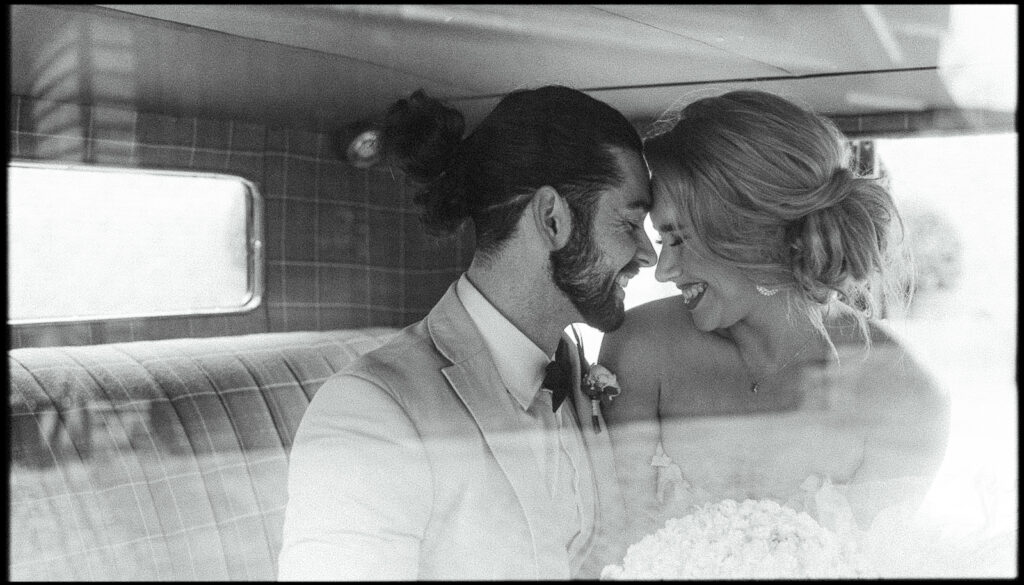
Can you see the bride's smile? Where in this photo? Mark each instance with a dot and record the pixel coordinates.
(692, 294)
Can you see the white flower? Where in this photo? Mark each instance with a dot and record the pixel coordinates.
(755, 539)
(598, 384)
(602, 377)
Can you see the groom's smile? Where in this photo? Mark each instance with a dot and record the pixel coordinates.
(583, 269)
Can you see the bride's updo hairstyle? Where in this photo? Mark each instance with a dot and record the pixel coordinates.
(768, 188)
(553, 135)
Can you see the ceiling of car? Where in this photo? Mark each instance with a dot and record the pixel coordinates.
(333, 65)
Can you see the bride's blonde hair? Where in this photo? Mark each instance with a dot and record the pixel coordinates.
(768, 188)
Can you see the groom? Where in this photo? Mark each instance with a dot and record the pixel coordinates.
(439, 456)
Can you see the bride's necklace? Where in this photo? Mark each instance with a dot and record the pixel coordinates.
(755, 385)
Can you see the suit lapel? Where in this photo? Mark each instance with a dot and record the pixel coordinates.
(610, 505)
(598, 445)
(476, 381)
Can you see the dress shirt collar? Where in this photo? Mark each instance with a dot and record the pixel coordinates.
(519, 361)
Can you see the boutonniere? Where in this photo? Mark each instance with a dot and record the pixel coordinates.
(598, 382)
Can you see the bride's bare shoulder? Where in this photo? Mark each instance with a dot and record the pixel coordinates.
(640, 352)
(886, 369)
(650, 329)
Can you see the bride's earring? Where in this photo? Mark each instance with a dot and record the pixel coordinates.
(766, 291)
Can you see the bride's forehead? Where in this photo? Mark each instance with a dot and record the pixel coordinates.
(665, 210)
(666, 223)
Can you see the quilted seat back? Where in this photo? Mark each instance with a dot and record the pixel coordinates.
(161, 460)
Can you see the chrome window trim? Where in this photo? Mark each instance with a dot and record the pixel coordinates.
(254, 244)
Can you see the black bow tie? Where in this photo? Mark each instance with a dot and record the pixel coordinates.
(558, 376)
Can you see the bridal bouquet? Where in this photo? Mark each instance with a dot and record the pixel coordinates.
(756, 539)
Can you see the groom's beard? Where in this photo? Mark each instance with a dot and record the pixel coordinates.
(575, 270)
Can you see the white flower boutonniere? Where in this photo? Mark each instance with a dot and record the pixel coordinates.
(598, 382)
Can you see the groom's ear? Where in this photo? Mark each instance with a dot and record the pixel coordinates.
(551, 217)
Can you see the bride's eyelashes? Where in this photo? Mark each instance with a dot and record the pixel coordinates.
(672, 241)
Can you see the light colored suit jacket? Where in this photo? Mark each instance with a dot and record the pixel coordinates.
(412, 464)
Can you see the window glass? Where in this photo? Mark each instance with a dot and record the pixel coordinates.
(98, 243)
(958, 198)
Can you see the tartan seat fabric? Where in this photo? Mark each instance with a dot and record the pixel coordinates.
(160, 460)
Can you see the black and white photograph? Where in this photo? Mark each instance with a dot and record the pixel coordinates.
(512, 292)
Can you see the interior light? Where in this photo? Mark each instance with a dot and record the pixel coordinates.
(364, 150)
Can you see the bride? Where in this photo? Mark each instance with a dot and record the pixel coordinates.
(767, 375)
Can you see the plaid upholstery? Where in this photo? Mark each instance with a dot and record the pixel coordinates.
(161, 460)
(344, 246)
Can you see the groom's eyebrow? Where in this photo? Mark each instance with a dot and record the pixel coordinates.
(639, 205)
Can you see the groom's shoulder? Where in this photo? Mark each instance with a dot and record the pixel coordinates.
(404, 348)
(410, 352)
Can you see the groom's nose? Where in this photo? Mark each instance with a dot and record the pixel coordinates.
(667, 270)
(646, 256)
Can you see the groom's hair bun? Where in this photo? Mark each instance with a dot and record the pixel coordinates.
(420, 136)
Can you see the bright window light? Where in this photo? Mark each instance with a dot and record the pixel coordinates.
(88, 243)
